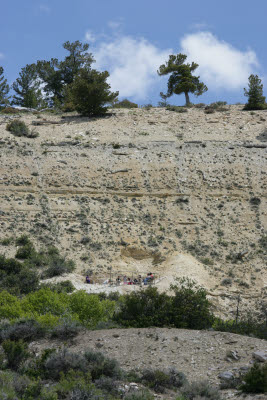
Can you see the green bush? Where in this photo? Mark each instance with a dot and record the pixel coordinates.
(263, 242)
(187, 308)
(176, 109)
(10, 110)
(16, 277)
(10, 306)
(25, 252)
(200, 105)
(190, 307)
(19, 128)
(65, 328)
(78, 386)
(255, 381)
(62, 362)
(58, 265)
(22, 278)
(226, 282)
(23, 329)
(89, 309)
(159, 380)
(45, 301)
(114, 296)
(57, 311)
(6, 241)
(207, 261)
(99, 365)
(9, 266)
(55, 375)
(156, 380)
(140, 395)
(23, 240)
(125, 104)
(209, 110)
(107, 325)
(200, 390)
(90, 93)
(7, 385)
(47, 321)
(147, 106)
(144, 308)
(60, 287)
(247, 326)
(35, 390)
(15, 352)
(24, 282)
(216, 106)
(108, 385)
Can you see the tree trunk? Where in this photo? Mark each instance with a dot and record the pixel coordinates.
(187, 100)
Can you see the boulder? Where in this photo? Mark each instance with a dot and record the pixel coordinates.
(226, 376)
(260, 355)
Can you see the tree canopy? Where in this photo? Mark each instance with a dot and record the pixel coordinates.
(181, 78)
(27, 88)
(4, 89)
(256, 100)
(56, 74)
(90, 93)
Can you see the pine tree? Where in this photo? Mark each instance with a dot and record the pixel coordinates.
(27, 88)
(50, 75)
(163, 102)
(57, 75)
(181, 79)
(4, 89)
(256, 100)
(78, 58)
(90, 93)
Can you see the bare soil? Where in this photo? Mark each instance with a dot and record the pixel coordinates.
(200, 355)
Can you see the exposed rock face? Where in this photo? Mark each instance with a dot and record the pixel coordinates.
(146, 190)
(141, 254)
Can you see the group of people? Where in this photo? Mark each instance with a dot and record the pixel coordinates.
(128, 281)
(135, 281)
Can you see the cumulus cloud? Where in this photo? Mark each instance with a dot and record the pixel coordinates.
(132, 64)
(220, 64)
(90, 36)
(115, 25)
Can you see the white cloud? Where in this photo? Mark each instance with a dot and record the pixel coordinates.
(115, 25)
(90, 37)
(220, 64)
(132, 64)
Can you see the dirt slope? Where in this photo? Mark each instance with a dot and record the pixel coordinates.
(175, 193)
(200, 355)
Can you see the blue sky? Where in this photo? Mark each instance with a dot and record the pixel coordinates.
(132, 38)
